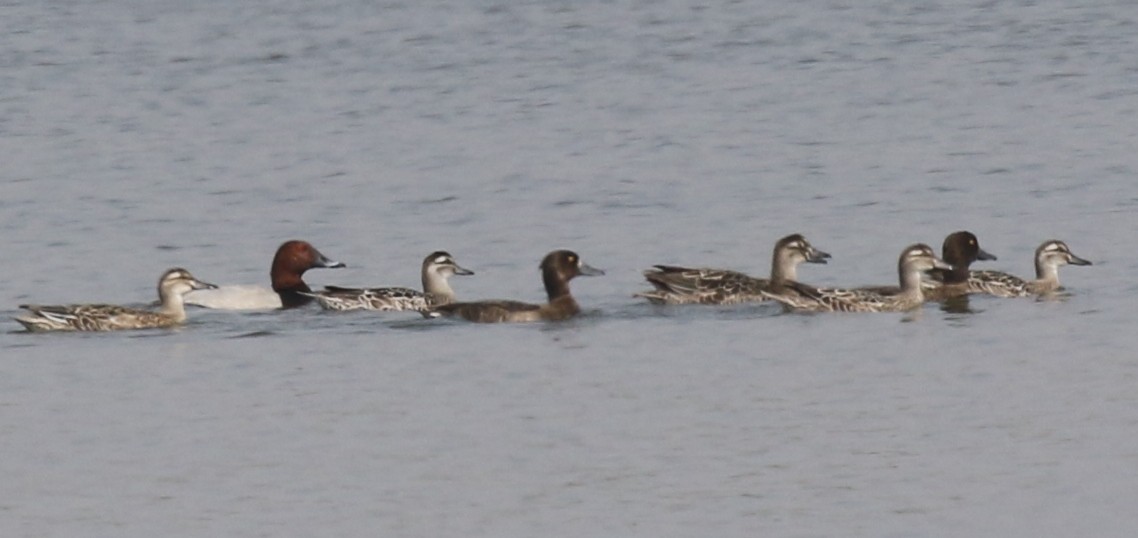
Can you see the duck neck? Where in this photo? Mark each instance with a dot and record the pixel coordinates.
(173, 306)
(555, 286)
(959, 272)
(783, 268)
(1047, 273)
(910, 283)
(293, 299)
(288, 286)
(437, 285)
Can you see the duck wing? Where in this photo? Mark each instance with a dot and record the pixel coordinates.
(683, 285)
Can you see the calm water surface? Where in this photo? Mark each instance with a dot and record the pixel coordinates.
(137, 137)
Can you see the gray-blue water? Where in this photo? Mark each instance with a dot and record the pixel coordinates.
(136, 136)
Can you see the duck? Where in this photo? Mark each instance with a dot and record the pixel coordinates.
(682, 285)
(437, 269)
(1050, 255)
(914, 260)
(960, 249)
(172, 286)
(292, 259)
(557, 269)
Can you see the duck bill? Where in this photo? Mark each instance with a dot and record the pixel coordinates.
(1075, 260)
(941, 264)
(817, 256)
(459, 270)
(325, 262)
(983, 255)
(199, 285)
(588, 270)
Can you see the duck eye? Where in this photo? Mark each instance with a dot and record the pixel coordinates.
(971, 241)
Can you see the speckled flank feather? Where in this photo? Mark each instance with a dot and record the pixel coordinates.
(999, 284)
(557, 269)
(1050, 255)
(437, 268)
(806, 298)
(100, 317)
(683, 285)
(92, 317)
(913, 261)
(383, 299)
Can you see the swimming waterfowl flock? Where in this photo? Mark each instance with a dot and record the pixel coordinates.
(922, 277)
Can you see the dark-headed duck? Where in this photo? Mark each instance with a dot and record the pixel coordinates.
(960, 249)
(557, 269)
(292, 259)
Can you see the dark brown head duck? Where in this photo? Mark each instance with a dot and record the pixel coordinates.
(557, 269)
(960, 249)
